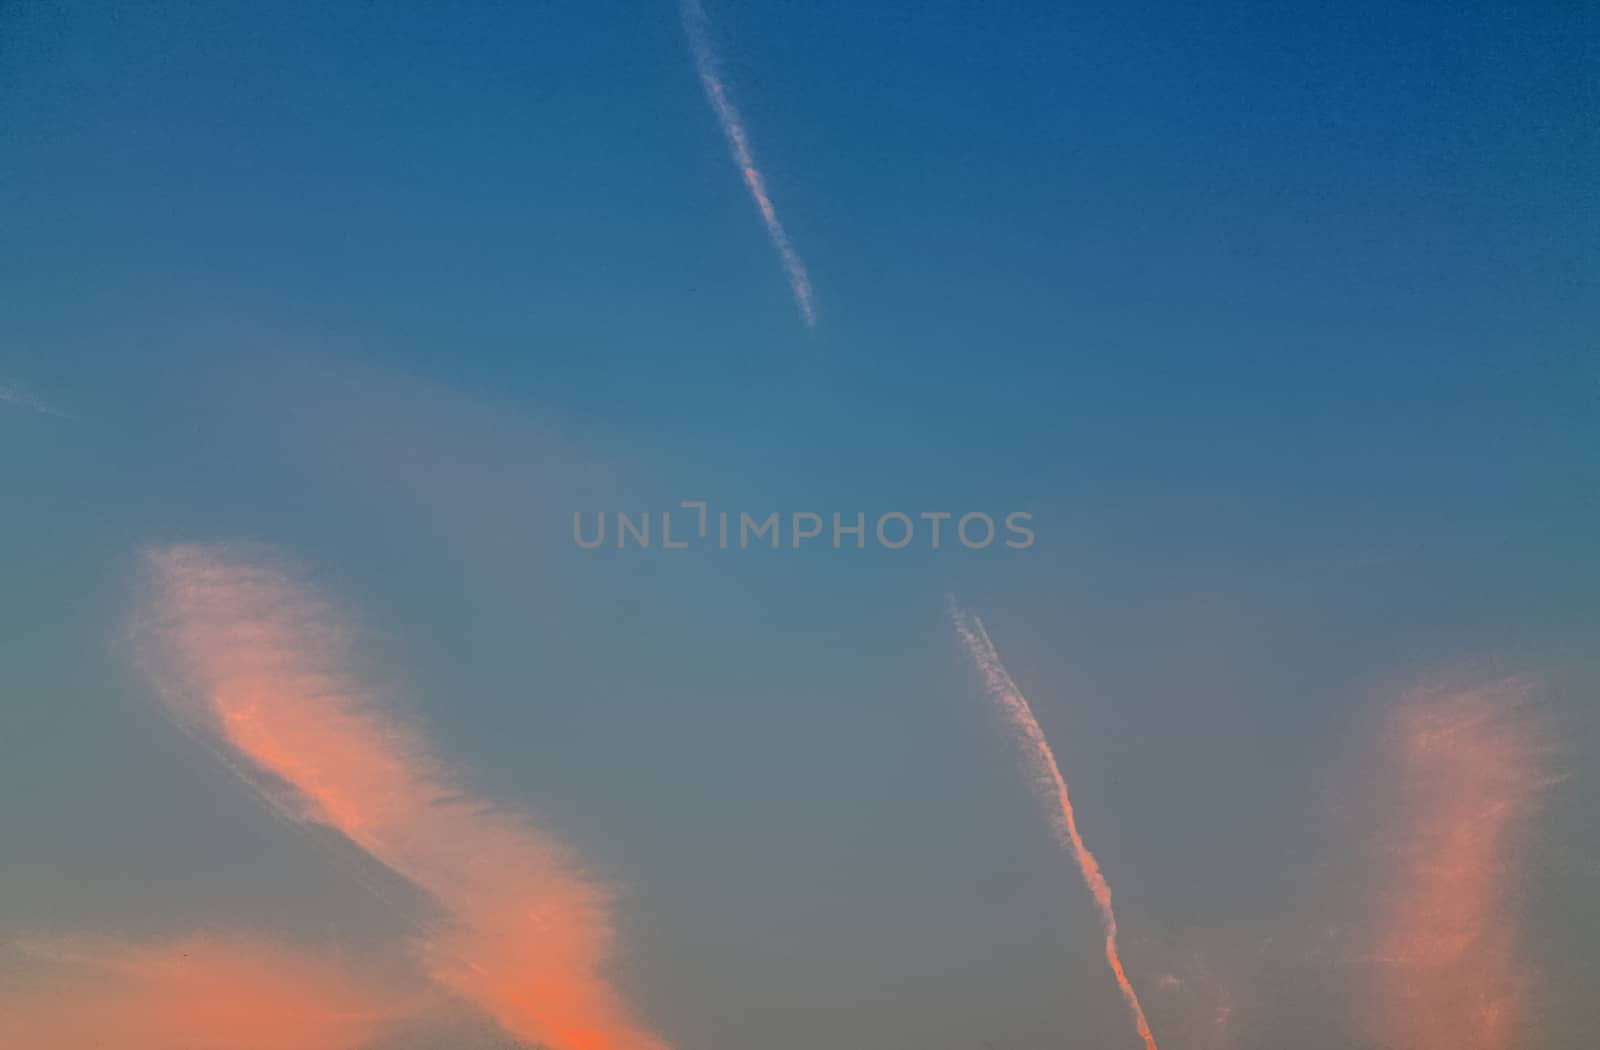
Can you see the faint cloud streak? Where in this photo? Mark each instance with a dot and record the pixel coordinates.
(200, 993)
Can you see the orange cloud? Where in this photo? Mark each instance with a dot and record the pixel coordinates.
(201, 993)
(256, 661)
(1449, 969)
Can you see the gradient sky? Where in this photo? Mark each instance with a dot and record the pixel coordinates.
(1279, 318)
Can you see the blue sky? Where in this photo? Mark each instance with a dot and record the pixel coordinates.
(1279, 319)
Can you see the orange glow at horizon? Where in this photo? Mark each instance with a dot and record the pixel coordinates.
(1048, 780)
(257, 661)
(200, 993)
(1449, 970)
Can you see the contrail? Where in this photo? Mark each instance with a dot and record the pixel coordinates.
(257, 662)
(705, 60)
(1052, 787)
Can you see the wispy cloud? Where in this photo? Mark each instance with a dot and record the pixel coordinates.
(12, 394)
(199, 993)
(705, 59)
(1448, 967)
(254, 660)
(1207, 996)
(1052, 787)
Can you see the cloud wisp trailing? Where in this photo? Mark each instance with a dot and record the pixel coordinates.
(254, 662)
(1052, 787)
(698, 28)
(203, 992)
(11, 394)
(1448, 967)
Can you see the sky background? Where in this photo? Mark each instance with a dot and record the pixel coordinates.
(1279, 318)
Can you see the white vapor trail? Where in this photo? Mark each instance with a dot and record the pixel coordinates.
(1052, 787)
(697, 26)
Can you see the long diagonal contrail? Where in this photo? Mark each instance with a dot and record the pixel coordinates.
(1053, 787)
(705, 61)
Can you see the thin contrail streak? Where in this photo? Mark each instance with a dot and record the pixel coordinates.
(705, 61)
(1053, 788)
